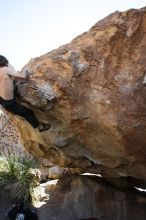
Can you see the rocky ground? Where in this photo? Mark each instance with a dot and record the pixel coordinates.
(80, 197)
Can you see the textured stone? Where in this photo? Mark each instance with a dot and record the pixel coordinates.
(92, 92)
(10, 140)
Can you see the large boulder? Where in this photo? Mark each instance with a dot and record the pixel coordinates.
(92, 92)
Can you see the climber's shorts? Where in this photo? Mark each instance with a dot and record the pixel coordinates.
(14, 107)
(8, 104)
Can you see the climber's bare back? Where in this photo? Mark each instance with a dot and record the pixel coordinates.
(6, 86)
(6, 81)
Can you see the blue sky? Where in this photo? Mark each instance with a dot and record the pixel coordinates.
(30, 28)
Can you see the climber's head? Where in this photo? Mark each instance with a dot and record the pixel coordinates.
(3, 61)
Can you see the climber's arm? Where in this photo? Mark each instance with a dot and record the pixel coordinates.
(12, 72)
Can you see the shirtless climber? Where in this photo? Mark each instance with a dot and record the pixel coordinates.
(8, 97)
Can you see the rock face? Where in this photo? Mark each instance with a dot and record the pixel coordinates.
(78, 198)
(10, 139)
(92, 92)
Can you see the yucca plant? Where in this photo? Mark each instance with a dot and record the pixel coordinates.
(15, 177)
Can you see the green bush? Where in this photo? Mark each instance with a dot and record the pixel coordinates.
(15, 177)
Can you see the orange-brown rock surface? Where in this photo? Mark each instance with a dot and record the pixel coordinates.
(92, 92)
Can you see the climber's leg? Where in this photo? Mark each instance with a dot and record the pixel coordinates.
(18, 109)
